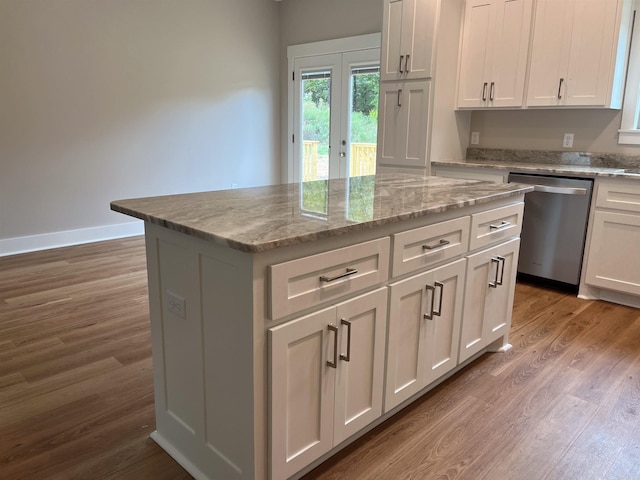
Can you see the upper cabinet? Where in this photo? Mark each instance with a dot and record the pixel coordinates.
(493, 61)
(578, 55)
(407, 39)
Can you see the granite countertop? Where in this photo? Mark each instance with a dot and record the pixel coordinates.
(263, 218)
(560, 163)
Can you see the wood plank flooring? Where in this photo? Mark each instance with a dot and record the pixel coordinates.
(76, 392)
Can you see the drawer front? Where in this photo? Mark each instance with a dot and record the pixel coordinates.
(429, 245)
(495, 225)
(619, 195)
(308, 281)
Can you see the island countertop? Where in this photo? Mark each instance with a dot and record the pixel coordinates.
(258, 219)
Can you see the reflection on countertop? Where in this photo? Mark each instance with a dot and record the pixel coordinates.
(262, 218)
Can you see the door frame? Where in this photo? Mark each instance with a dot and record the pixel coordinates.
(290, 170)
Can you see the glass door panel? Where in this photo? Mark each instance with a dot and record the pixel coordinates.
(316, 124)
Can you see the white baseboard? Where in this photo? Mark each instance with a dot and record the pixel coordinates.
(32, 243)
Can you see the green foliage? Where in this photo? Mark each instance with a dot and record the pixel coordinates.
(364, 128)
(365, 90)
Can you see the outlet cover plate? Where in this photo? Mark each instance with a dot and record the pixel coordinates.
(176, 304)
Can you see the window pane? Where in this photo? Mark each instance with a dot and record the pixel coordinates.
(364, 120)
(316, 116)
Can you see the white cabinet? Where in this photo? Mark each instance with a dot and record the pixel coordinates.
(613, 261)
(424, 330)
(408, 39)
(402, 123)
(326, 373)
(488, 301)
(493, 61)
(577, 56)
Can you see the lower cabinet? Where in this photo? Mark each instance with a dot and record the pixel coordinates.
(326, 374)
(424, 329)
(614, 261)
(488, 302)
(613, 258)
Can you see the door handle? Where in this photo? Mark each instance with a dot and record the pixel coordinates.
(432, 289)
(399, 93)
(441, 285)
(406, 64)
(400, 66)
(484, 92)
(560, 190)
(491, 91)
(495, 283)
(334, 364)
(560, 88)
(347, 357)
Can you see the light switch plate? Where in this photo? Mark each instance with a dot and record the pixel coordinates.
(475, 138)
(567, 141)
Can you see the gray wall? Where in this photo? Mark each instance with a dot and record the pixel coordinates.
(128, 98)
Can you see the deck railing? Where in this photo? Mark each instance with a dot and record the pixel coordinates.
(362, 160)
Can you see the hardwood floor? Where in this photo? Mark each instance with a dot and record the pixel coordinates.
(76, 392)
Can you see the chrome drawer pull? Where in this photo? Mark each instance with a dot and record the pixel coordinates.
(348, 273)
(347, 357)
(429, 316)
(442, 243)
(502, 225)
(334, 364)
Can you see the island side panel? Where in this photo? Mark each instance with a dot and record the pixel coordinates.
(201, 306)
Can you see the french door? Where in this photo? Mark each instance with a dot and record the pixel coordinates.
(335, 106)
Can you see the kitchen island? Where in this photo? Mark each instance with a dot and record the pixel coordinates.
(288, 320)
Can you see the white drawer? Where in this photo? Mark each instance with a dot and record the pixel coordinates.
(308, 281)
(429, 245)
(619, 195)
(495, 225)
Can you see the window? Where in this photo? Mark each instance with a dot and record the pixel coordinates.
(630, 126)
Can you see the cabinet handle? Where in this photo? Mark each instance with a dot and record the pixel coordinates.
(400, 66)
(502, 261)
(491, 91)
(406, 64)
(560, 88)
(484, 92)
(441, 244)
(347, 357)
(334, 364)
(348, 273)
(441, 285)
(495, 283)
(429, 316)
(399, 93)
(498, 260)
(503, 224)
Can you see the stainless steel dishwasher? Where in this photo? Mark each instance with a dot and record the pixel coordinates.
(554, 227)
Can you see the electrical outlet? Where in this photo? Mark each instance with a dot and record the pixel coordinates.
(234, 185)
(176, 304)
(475, 138)
(567, 141)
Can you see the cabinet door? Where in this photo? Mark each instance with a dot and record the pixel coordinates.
(488, 302)
(613, 261)
(302, 391)
(360, 373)
(473, 81)
(408, 38)
(418, 38)
(403, 123)
(390, 61)
(550, 52)
(424, 330)
(443, 329)
(509, 53)
(592, 52)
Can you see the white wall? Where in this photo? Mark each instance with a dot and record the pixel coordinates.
(103, 100)
(306, 21)
(594, 130)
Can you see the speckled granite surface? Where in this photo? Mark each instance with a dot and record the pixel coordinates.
(262, 218)
(558, 162)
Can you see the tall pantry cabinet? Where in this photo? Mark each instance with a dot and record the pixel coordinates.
(407, 59)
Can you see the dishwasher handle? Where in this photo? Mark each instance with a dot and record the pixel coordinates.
(560, 190)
